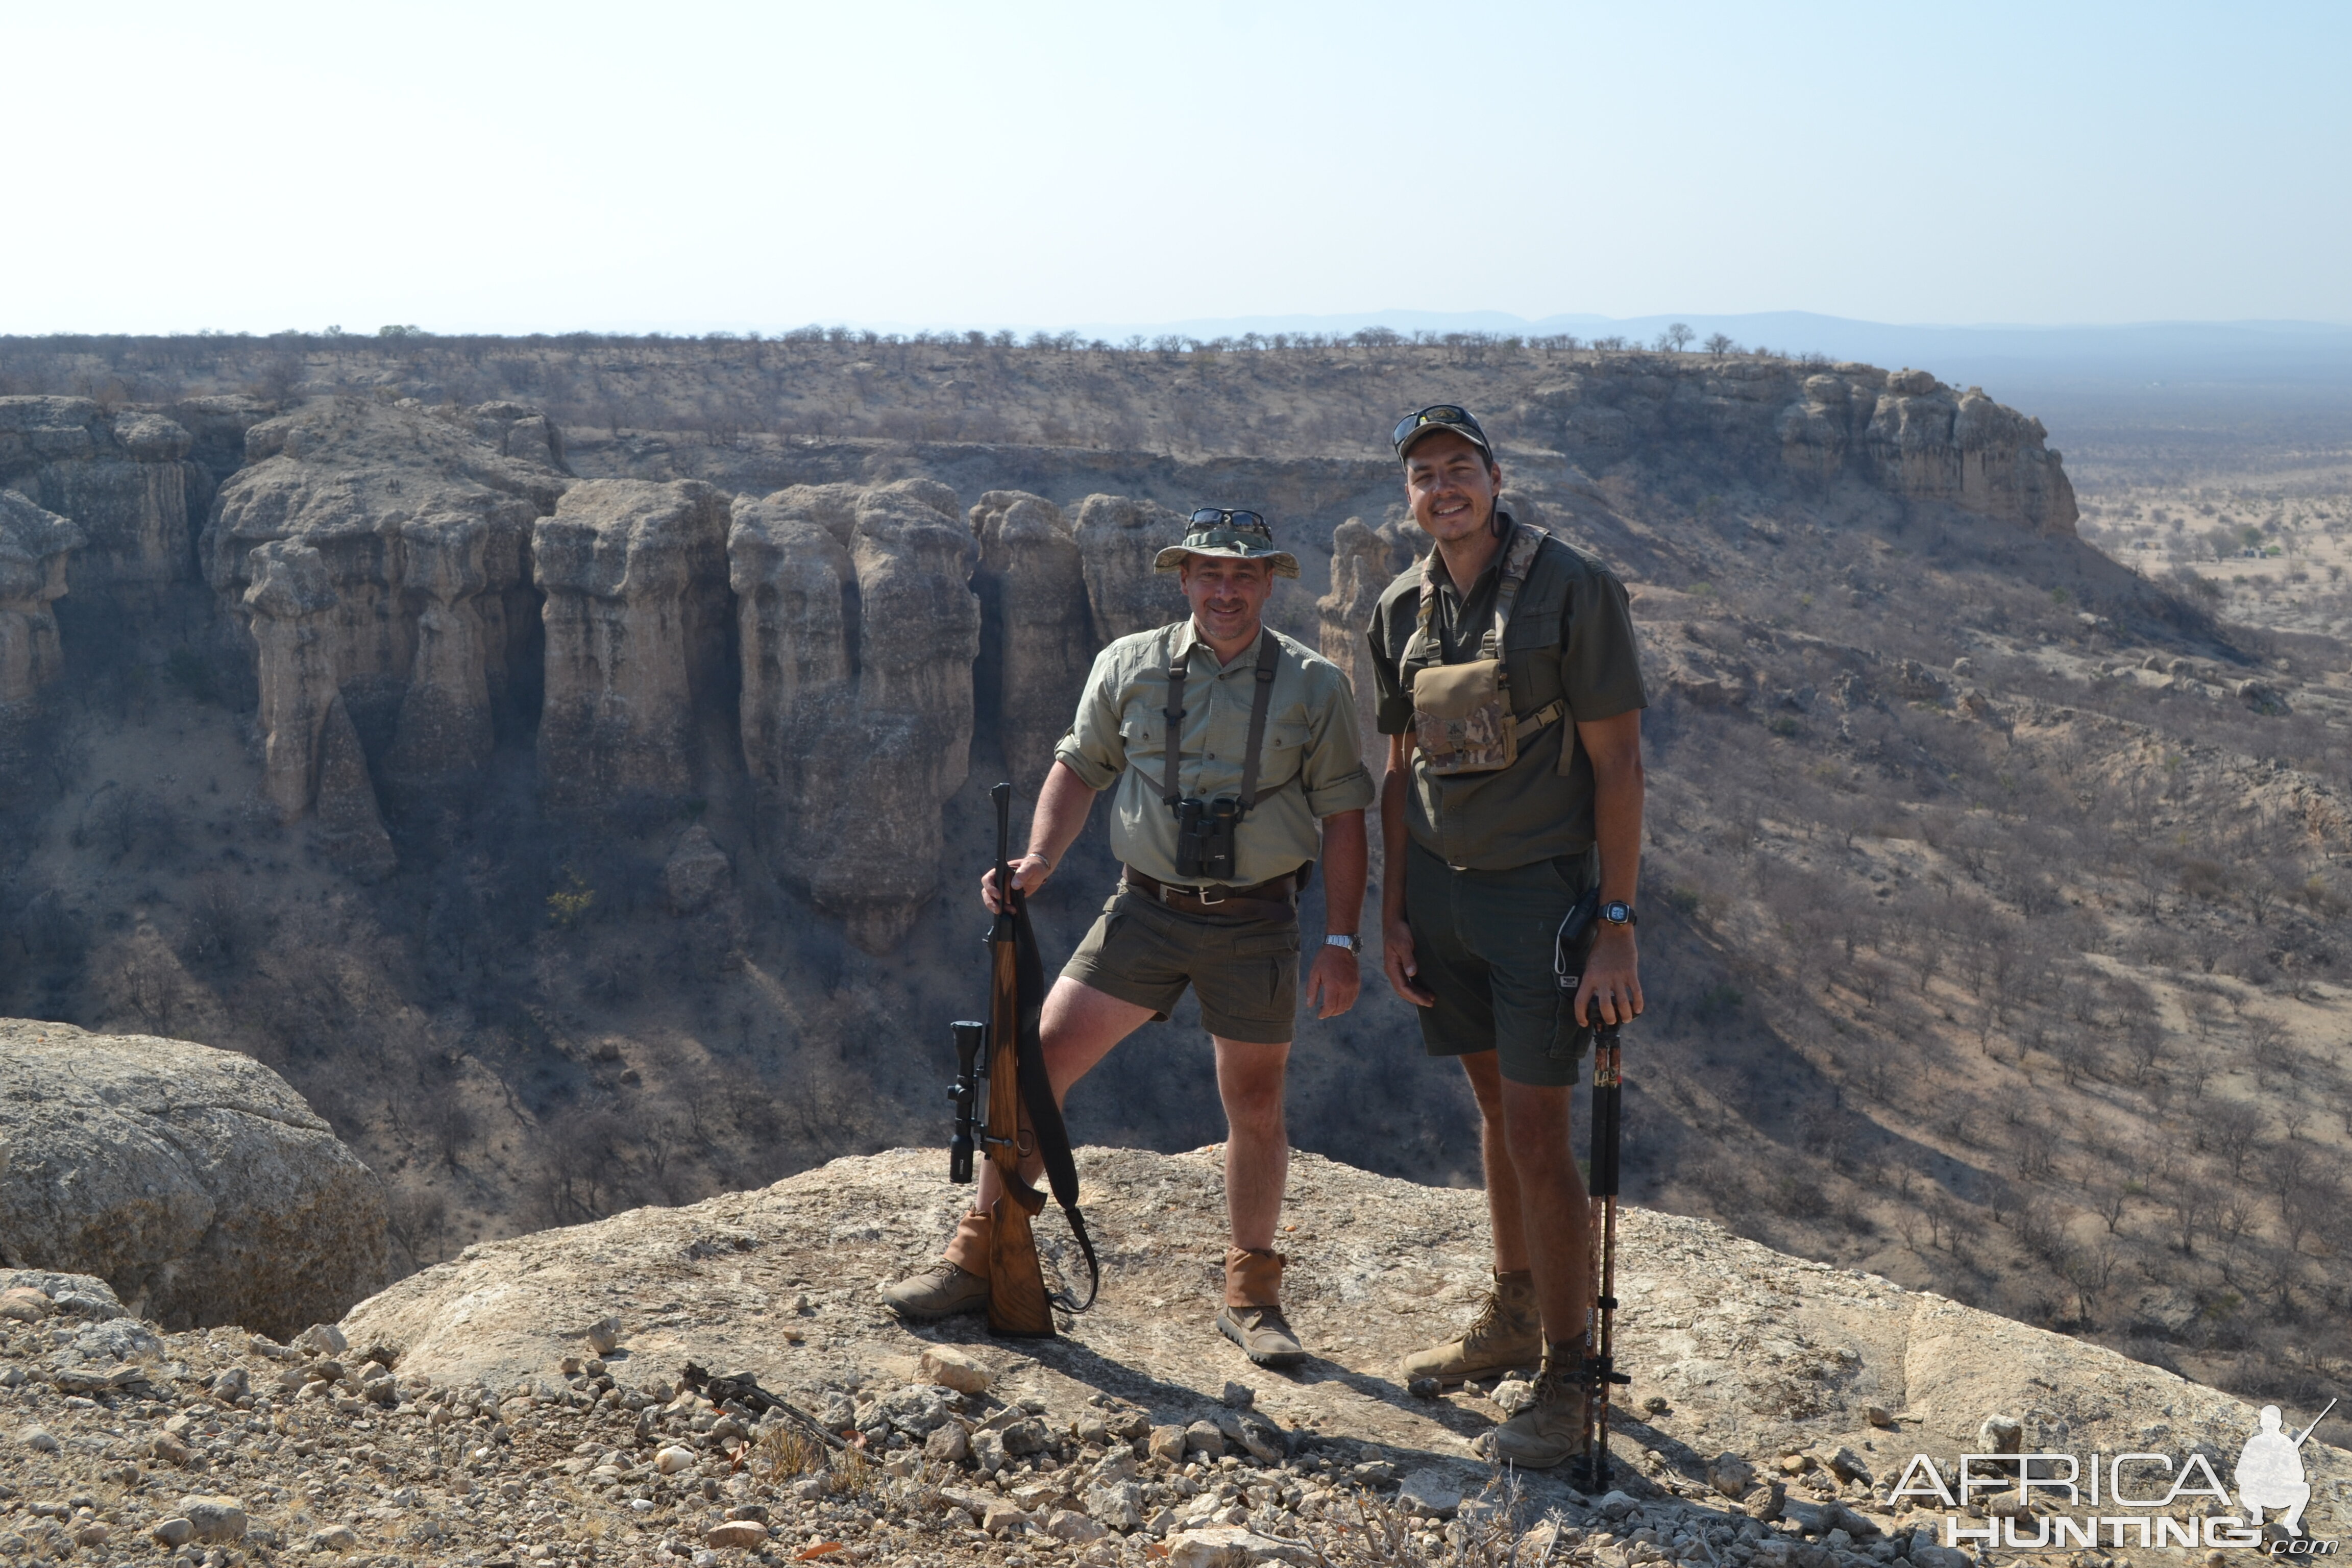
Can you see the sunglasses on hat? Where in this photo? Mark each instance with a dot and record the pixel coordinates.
(1447, 416)
(1226, 517)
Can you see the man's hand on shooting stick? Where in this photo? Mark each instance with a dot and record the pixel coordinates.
(1333, 982)
(1397, 962)
(1611, 991)
(1029, 874)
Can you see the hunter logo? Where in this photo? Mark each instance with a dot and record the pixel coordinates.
(2155, 1497)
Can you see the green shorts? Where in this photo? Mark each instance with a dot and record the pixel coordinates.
(1483, 940)
(1244, 970)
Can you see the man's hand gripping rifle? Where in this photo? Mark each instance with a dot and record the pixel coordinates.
(1570, 957)
(1022, 1115)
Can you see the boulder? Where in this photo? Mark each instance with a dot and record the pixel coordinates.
(697, 874)
(636, 616)
(1036, 637)
(858, 631)
(33, 546)
(1118, 540)
(195, 1182)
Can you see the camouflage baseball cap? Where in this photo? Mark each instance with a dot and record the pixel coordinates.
(1235, 535)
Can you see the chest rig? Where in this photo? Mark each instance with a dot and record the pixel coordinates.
(1462, 717)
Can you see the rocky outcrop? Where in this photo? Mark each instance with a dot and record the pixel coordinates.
(33, 545)
(1117, 537)
(195, 1182)
(858, 634)
(1739, 1355)
(1905, 432)
(1036, 639)
(1915, 437)
(122, 479)
(637, 625)
(1364, 561)
(403, 586)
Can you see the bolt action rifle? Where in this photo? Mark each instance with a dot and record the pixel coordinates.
(1023, 1116)
(1570, 957)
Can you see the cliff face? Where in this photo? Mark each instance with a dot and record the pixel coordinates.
(33, 546)
(1037, 640)
(636, 614)
(122, 479)
(1117, 537)
(858, 632)
(1903, 432)
(409, 540)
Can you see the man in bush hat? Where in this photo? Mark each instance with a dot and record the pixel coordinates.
(1235, 764)
(1511, 689)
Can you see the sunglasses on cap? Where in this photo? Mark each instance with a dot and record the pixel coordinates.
(1226, 517)
(1448, 416)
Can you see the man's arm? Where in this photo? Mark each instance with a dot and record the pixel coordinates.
(1396, 936)
(1612, 980)
(1333, 979)
(1062, 808)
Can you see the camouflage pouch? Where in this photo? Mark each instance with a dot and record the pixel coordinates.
(1461, 712)
(1462, 718)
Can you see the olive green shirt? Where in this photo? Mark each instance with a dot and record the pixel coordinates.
(1570, 637)
(1311, 765)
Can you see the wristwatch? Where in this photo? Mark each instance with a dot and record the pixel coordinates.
(1618, 912)
(1354, 944)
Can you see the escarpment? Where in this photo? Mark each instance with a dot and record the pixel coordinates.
(858, 631)
(380, 555)
(1037, 635)
(635, 575)
(33, 546)
(412, 591)
(122, 476)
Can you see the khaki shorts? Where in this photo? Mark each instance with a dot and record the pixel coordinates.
(1244, 970)
(1483, 940)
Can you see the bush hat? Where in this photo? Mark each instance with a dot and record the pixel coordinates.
(1221, 530)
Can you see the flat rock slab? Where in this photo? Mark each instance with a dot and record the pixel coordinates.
(1754, 1352)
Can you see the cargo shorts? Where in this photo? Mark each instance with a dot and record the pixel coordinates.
(1483, 941)
(1245, 969)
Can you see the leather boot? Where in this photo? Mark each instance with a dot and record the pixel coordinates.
(1550, 1430)
(1252, 1316)
(1505, 1336)
(956, 1282)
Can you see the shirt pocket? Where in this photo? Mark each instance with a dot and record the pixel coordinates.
(1532, 629)
(1283, 754)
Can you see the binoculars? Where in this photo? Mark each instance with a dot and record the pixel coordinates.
(1204, 839)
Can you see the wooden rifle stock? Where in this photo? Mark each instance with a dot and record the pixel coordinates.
(1016, 1279)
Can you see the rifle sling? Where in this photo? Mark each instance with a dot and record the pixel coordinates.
(1037, 1097)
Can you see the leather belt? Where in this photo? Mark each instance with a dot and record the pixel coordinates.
(1270, 901)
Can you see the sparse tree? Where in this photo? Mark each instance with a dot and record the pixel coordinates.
(1675, 338)
(1719, 344)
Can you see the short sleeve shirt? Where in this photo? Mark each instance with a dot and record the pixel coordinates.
(1570, 638)
(1310, 766)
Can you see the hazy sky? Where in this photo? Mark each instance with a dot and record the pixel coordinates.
(688, 166)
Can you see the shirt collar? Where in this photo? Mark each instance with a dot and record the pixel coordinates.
(1190, 637)
(1494, 565)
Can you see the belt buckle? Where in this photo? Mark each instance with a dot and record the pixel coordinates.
(1206, 902)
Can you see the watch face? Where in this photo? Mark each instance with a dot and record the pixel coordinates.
(1616, 913)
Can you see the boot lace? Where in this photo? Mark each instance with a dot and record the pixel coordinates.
(1490, 1324)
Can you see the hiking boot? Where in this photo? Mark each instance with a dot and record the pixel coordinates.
(940, 1290)
(956, 1282)
(1252, 1317)
(1263, 1333)
(1505, 1335)
(1550, 1430)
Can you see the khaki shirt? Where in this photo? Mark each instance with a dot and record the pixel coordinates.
(1311, 765)
(1570, 637)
